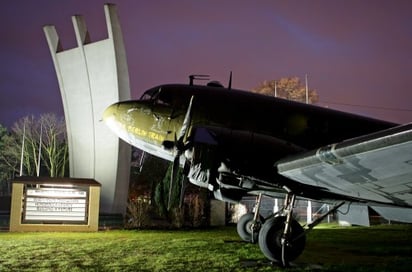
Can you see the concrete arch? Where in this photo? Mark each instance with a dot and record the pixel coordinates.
(91, 77)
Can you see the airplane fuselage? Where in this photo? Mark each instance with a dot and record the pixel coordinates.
(236, 143)
(254, 130)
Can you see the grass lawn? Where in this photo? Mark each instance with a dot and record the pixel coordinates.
(329, 248)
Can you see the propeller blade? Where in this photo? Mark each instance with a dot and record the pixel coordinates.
(180, 148)
(186, 121)
(173, 175)
(182, 191)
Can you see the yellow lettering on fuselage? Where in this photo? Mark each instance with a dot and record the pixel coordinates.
(145, 134)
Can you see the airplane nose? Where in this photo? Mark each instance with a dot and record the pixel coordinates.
(110, 112)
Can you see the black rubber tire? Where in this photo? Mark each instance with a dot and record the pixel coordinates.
(244, 228)
(270, 239)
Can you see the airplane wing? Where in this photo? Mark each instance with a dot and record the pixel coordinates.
(374, 168)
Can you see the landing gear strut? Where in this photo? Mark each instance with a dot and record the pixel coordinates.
(282, 239)
(249, 224)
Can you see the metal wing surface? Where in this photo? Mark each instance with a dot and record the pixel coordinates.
(374, 168)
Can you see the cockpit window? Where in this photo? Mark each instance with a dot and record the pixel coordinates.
(168, 96)
(157, 96)
(150, 94)
(145, 96)
(163, 98)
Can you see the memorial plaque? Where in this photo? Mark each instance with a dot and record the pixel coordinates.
(55, 204)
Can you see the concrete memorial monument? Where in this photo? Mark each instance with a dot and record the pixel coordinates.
(91, 77)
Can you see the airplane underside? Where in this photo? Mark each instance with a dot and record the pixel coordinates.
(280, 237)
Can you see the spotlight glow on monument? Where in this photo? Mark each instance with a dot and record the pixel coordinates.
(91, 77)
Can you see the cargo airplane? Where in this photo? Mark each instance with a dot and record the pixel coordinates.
(237, 143)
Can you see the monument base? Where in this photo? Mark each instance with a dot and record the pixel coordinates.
(54, 204)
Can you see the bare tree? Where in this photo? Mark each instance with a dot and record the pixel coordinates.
(24, 130)
(45, 144)
(54, 144)
(289, 88)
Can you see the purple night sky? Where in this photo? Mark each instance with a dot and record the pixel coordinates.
(355, 52)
